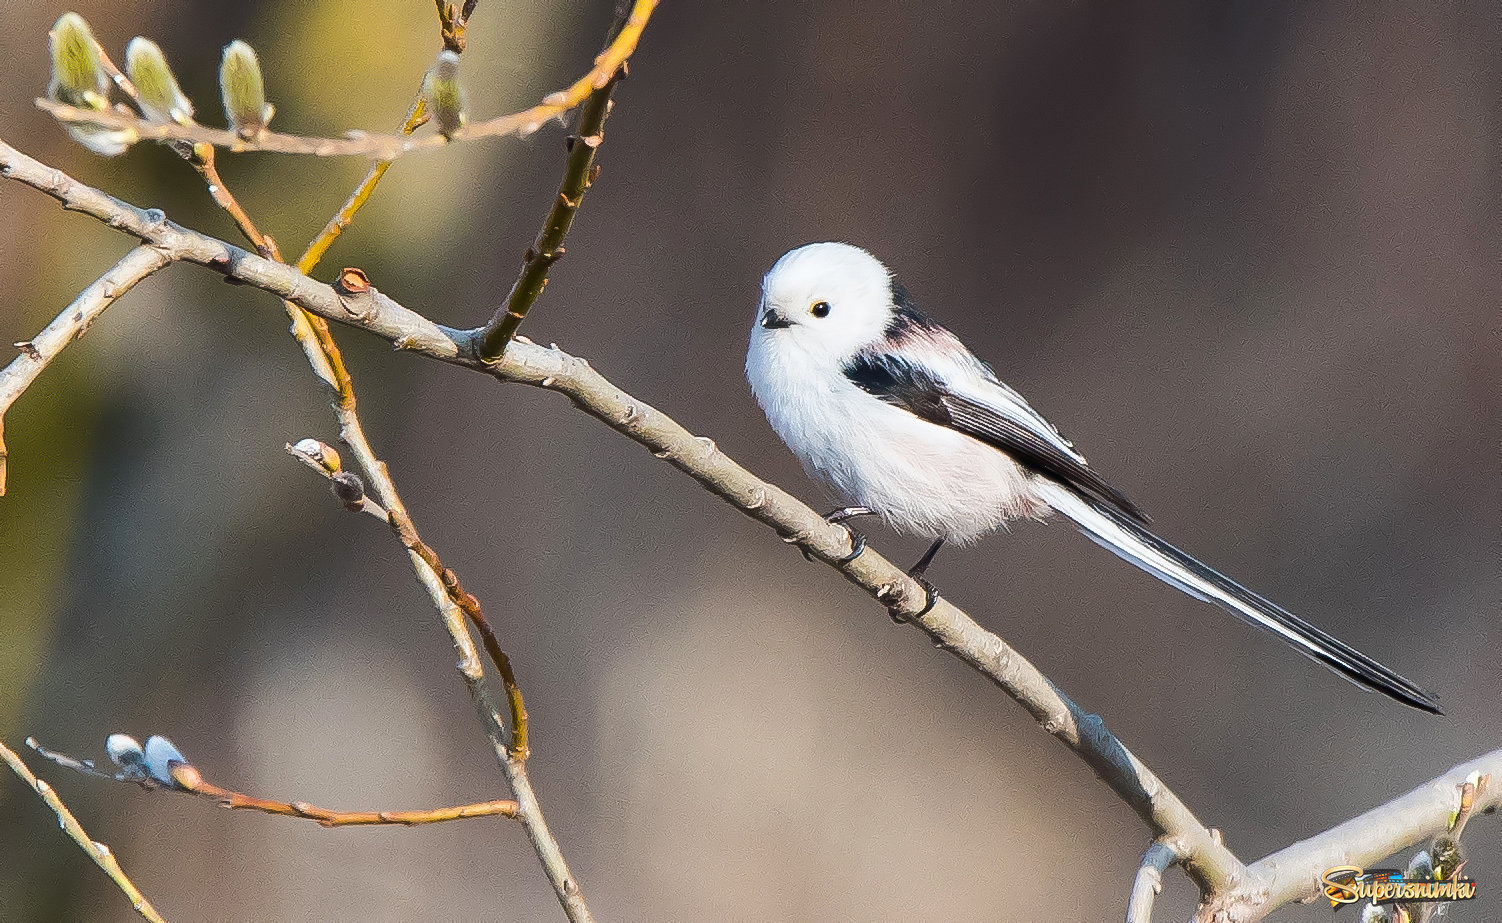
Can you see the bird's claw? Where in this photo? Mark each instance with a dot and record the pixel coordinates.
(857, 540)
(930, 592)
(857, 545)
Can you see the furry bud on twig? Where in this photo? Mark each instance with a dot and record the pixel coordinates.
(79, 80)
(78, 76)
(125, 751)
(160, 756)
(1421, 866)
(350, 490)
(161, 98)
(243, 90)
(317, 453)
(446, 94)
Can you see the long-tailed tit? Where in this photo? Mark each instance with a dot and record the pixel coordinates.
(894, 413)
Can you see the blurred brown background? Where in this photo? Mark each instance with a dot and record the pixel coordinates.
(1246, 255)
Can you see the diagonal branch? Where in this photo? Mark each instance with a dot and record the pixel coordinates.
(1204, 857)
(97, 851)
(72, 323)
(450, 599)
(376, 146)
(1237, 893)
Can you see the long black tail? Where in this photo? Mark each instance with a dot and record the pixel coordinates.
(1129, 540)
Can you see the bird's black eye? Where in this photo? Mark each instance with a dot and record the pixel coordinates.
(820, 309)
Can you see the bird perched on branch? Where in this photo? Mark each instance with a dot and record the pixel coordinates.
(891, 410)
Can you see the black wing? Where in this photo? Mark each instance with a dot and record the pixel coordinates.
(1007, 423)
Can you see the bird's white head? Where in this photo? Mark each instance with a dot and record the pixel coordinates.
(828, 300)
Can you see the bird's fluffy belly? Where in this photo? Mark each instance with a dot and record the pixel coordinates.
(922, 478)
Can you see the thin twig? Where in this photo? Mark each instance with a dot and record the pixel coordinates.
(455, 605)
(373, 145)
(516, 751)
(116, 75)
(578, 175)
(1149, 882)
(189, 780)
(401, 525)
(72, 323)
(313, 334)
(529, 810)
(519, 747)
(417, 116)
(202, 160)
(1212, 866)
(102, 855)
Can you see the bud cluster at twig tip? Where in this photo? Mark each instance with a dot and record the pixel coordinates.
(160, 756)
(154, 762)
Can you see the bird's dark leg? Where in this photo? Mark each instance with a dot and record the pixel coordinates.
(857, 540)
(916, 572)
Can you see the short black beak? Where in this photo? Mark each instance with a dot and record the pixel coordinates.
(772, 319)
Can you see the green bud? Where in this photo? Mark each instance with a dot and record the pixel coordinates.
(79, 80)
(446, 94)
(78, 76)
(161, 98)
(243, 90)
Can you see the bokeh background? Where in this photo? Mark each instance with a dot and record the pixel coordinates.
(1246, 255)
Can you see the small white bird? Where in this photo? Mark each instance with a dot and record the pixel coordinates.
(894, 413)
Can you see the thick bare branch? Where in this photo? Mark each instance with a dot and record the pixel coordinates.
(1291, 874)
(100, 853)
(69, 325)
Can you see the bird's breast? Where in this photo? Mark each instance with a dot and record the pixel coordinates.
(923, 478)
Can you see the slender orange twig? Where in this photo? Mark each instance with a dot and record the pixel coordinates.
(189, 780)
